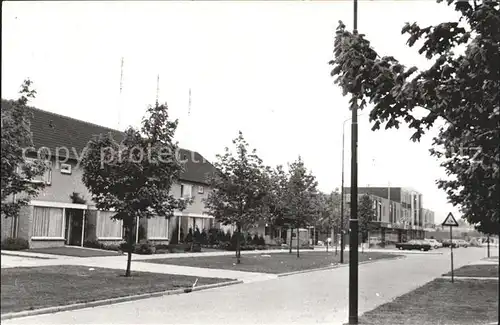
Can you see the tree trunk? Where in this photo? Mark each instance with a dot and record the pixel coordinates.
(130, 245)
(238, 252)
(335, 238)
(291, 232)
(327, 231)
(298, 242)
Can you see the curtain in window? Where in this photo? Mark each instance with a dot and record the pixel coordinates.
(47, 222)
(198, 223)
(107, 227)
(158, 227)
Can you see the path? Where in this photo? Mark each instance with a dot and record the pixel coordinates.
(316, 297)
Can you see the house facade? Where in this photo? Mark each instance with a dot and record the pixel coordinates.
(399, 213)
(54, 218)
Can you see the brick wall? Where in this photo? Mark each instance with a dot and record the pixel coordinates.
(47, 243)
(25, 220)
(7, 227)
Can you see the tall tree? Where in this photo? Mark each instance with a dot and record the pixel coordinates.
(461, 90)
(366, 215)
(134, 177)
(239, 189)
(300, 196)
(328, 217)
(17, 172)
(274, 201)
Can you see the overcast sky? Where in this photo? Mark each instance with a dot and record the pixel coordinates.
(258, 67)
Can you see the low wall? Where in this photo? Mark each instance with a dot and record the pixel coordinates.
(45, 243)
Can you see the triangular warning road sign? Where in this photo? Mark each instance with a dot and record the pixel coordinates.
(450, 221)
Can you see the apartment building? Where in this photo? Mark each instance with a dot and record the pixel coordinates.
(399, 212)
(53, 218)
(428, 217)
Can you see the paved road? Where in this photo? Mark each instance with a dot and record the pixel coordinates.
(317, 297)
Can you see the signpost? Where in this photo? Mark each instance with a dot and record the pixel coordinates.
(451, 222)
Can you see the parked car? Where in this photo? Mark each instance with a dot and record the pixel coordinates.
(461, 243)
(448, 243)
(434, 243)
(414, 244)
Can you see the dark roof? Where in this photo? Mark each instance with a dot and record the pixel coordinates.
(53, 131)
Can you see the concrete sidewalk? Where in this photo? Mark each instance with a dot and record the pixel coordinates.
(149, 257)
(137, 266)
(221, 253)
(119, 263)
(33, 255)
(318, 297)
(383, 250)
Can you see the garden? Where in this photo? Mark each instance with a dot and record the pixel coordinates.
(213, 239)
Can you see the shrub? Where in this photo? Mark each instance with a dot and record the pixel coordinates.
(224, 246)
(189, 237)
(255, 239)
(123, 246)
(212, 237)
(162, 246)
(249, 239)
(262, 241)
(92, 244)
(197, 235)
(112, 247)
(15, 244)
(196, 247)
(144, 248)
(227, 236)
(204, 237)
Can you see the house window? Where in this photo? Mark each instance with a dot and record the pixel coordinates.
(107, 227)
(201, 189)
(158, 228)
(199, 223)
(186, 191)
(66, 169)
(47, 222)
(47, 175)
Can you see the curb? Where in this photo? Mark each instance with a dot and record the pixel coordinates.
(464, 278)
(50, 310)
(308, 271)
(338, 265)
(26, 256)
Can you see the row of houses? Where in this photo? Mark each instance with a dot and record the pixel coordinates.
(53, 218)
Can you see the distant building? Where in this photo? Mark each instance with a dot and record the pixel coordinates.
(428, 217)
(399, 213)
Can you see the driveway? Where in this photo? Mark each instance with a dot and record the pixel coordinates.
(316, 297)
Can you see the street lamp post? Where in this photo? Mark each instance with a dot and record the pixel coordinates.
(342, 195)
(342, 199)
(353, 222)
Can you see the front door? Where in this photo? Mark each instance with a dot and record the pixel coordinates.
(74, 226)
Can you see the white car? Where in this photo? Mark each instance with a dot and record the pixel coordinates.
(434, 243)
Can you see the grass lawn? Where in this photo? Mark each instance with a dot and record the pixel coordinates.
(268, 263)
(74, 251)
(465, 302)
(482, 270)
(26, 288)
